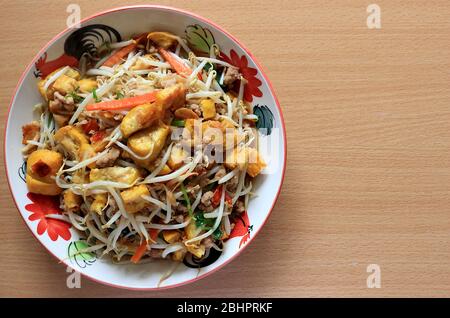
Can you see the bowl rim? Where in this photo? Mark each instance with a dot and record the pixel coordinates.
(202, 19)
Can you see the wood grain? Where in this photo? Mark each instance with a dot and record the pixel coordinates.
(368, 176)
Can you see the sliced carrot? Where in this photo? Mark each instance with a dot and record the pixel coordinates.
(119, 55)
(179, 67)
(140, 251)
(153, 234)
(125, 103)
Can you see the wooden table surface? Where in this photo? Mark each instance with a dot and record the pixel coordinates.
(368, 173)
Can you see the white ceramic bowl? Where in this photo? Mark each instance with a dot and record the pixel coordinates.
(60, 238)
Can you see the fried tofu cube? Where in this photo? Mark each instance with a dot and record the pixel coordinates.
(172, 97)
(177, 156)
(30, 131)
(127, 175)
(71, 73)
(208, 108)
(239, 156)
(80, 177)
(226, 123)
(132, 198)
(148, 143)
(196, 250)
(72, 201)
(213, 132)
(87, 151)
(165, 170)
(39, 187)
(178, 256)
(46, 94)
(42, 166)
(140, 117)
(99, 203)
(163, 39)
(255, 163)
(87, 85)
(71, 139)
(171, 236)
(191, 230)
(65, 84)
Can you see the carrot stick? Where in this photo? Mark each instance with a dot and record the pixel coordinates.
(139, 252)
(119, 55)
(153, 234)
(177, 65)
(125, 103)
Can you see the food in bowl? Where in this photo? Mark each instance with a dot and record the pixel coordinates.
(149, 145)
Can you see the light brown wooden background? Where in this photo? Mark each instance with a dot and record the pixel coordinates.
(368, 176)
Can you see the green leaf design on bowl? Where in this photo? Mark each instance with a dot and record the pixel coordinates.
(199, 39)
(76, 255)
(265, 119)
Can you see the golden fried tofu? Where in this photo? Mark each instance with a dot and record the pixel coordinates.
(213, 132)
(71, 139)
(65, 84)
(99, 203)
(126, 175)
(80, 177)
(72, 73)
(72, 201)
(172, 97)
(140, 117)
(37, 186)
(132, 198)
(163, 39)
(239, 156)
(178, 256)
(30, 131)
(177, 157)
(87, 85)
(165, 170)
(42, 166)
(208, 108)
(86, 151)
(46, 94)
(255, 163)
(196, 250)
(185, 113)
(151, 141)
(171, 236)
(226, 123)
(191, 230)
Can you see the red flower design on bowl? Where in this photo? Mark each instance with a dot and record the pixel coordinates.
(251, 88)
(44, 205)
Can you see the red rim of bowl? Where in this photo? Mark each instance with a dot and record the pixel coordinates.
(205, 20)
